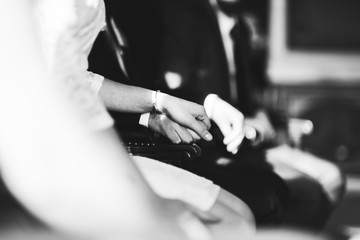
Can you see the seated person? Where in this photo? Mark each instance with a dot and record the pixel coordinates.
(201, 193)
(75, 178)
(49, 161)
(266, 196)
(206, 57)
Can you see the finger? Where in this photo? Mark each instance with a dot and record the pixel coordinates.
(195, 136)
(203, 125)
(199, 128)
(234, 134)
(233, 147)
(173, 136)
(204, 119)
(184, 135)
(225, 129)
(250, 133)
(237, 130)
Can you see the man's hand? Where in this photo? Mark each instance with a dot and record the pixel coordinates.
(231, 123)
(161, 124)
(188, 114)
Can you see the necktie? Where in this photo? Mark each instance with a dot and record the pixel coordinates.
(242, 50)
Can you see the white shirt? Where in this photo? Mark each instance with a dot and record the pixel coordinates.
(226, 24)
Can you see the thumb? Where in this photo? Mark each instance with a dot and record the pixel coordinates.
(200, 128)
(194, 134)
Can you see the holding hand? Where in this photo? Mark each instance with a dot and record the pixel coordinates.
(229, 119)
(161, 124)
(185, 113)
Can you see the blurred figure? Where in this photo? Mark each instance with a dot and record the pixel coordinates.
(209, 46)
(290, 234)
(40, 163)
(90, 191)
(72, 176)
(265, 196)
(356, 237)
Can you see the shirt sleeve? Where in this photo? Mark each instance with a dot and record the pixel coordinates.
(144, 119)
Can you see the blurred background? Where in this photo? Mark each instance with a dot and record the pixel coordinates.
(314, 73)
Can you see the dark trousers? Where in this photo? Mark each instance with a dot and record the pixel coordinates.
(261, 189)
(299, 202)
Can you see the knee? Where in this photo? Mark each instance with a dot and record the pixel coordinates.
(331, 180)
(240, 208)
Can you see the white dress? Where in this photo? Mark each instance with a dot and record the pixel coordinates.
(68, 29)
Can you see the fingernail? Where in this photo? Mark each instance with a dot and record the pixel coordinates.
(208, 137)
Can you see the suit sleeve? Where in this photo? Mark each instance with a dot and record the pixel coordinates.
(180, 50)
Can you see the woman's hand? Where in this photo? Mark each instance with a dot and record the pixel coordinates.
(161, 124)
(188, 114)
(231, 123)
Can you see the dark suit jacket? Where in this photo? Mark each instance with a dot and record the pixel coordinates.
(192, 47)
(102, 61)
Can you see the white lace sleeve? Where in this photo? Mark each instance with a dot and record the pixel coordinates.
(95, 81)
(68, 29)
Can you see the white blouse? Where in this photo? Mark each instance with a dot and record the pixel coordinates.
(68, 29)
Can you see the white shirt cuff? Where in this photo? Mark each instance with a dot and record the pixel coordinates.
(209, 103)
(144, 119)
